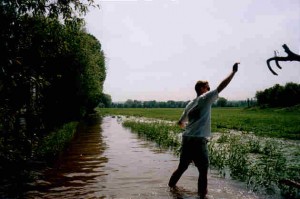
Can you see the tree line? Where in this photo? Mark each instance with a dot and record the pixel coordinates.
(275, 96)
(51, 71)
(221, 102)
(279, 96)
(149, 104)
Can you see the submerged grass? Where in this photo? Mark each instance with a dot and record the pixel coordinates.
(166, 135)
(261, 163)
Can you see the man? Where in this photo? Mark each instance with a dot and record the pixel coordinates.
(194, 140)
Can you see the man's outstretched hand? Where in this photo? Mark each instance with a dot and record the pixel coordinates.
(235, 67)
(226, 81)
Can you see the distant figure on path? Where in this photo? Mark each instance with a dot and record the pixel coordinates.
(197, 114)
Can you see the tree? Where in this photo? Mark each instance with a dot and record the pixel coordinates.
(279, 96)
(51, 72)
(105, 101)
(93, 74)
(222, 102)
(35, 37)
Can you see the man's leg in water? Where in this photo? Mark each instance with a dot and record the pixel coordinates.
(201, 162)
(185, 160)
(182, 167)
(202, 181)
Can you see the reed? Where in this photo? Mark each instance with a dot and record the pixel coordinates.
(166, 135)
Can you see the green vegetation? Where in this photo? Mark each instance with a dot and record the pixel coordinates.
(221, 102)
(158, 113)
(51, 73)
(149, 104)
(165, 135)
(16, 170)
(56, 141)
(280, 123)
(279, 96)
(259, 162)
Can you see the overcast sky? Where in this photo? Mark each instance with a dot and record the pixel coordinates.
(157, 50)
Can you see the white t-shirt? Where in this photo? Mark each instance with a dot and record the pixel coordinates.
(198, 113)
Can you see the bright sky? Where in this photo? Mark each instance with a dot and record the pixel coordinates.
(158, 49)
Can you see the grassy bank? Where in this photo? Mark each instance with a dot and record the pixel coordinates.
(280, 123)
(16, 171)
(56, 141)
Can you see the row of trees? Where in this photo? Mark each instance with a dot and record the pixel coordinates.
(279, 96)
(222, 102)
(149, 104)
(51, 71)
(276, 96)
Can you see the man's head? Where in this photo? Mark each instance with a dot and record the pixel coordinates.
(201, 87)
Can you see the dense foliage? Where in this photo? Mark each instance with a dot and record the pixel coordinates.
(51, 72)
(279, 96)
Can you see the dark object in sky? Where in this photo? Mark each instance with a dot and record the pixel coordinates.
(291, 57)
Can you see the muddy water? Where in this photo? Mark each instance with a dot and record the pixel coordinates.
(106, 160)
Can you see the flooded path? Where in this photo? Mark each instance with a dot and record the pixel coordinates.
(106, 160)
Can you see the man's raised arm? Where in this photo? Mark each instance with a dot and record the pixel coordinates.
(227, 80)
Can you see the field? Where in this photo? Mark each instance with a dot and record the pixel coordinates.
(280, 123)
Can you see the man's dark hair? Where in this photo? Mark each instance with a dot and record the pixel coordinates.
(199, 85)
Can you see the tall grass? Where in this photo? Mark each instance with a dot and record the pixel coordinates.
(165, 135)
(56, 141)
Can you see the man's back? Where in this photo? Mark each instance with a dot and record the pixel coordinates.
(199, 115)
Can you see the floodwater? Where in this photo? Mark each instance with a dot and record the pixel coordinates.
(106, 160)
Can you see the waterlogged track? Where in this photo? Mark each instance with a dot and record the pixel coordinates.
(106, 160)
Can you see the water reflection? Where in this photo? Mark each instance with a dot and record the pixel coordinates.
(78, 169)
(106, 160)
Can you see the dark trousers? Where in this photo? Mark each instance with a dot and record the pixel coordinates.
(193, 149)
